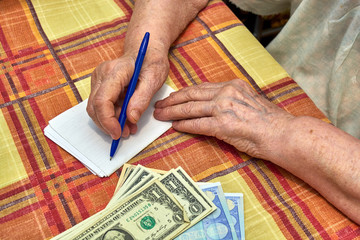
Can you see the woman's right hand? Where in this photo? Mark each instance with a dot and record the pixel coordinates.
(108, 88)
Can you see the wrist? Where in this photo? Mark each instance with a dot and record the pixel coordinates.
(157, 51)
(278, 143)
(294, 143)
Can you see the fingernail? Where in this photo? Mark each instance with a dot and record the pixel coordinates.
(135, 115)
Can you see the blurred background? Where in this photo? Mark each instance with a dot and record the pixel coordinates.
(263, 28)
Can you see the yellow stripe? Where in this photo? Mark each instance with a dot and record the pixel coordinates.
(63, 18)
(259, 224)
(251, 55)
(12, 168)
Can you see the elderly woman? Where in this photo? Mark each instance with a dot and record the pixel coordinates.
(320, 49)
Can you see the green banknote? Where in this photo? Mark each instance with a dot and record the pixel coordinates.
(150, 213)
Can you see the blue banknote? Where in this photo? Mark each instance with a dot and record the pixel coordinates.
(217, 225)
(235, 202)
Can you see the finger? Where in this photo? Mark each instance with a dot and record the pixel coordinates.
(129, 128)
(126, 131)
(185, 111)
(104, 103)
(133, 128)
(204, 126)
(90, 104)
(188, 94)
(206, 85)
(141, 98)
(106, 118)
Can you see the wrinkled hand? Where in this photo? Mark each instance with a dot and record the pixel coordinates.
(108, 87)
(230, 111)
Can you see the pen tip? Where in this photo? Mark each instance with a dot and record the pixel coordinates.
(110, 158)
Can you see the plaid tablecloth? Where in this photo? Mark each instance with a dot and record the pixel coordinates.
(49, 49)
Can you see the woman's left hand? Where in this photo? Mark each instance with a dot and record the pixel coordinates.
(230, 111)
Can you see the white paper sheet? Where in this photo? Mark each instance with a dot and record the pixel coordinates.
(75, 132)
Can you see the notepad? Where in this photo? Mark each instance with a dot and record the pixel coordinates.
(75, 132)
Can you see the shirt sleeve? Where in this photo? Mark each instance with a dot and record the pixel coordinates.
(263, 7)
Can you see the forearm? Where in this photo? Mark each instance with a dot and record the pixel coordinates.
(326, 158)
(164, 19)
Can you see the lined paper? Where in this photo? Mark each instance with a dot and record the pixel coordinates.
(75, 132)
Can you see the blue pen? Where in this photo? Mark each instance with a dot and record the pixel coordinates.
(130, 90)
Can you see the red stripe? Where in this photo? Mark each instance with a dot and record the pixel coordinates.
(227, 148)
(125, 4)
(276, 210)
(297, 200)
(5, 45)
(24, 142)
(19, 213)
(10, 55)
(177, 75)
(59, 43)
(4, 92)
(213, 5)
(80, 50)
(169, 151)
(15, 191)
(85, 34)
(26, 53)
(267, 90)
(292, 100)
(39, 64)
(42, 123)
(197, 69)
(348, 233)
(168, 132)
(79, 203)
(55, 215)
(37, 178)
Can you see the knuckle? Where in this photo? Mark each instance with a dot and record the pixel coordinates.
(196, 124)
(240, 82)
(171, 98)
(206, 84)
(190, 93)
(230, 90)
(187, 108)
(90, 110)
(225, 103)
(97, 103)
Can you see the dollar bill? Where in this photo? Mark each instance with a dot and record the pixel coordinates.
(150, 213)
(125, 170)
(136, 176)
(235, 203)
(195, 187)
(185, 190)
(137, 184)
(206, 212)
(188, 195)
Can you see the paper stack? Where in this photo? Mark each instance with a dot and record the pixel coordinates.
(74, 131)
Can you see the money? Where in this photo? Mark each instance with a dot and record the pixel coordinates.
(235, 204)
(184, 189)
(136, 179)
(189, 196)
(155, 204)
(150, 213)
(217, 225)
